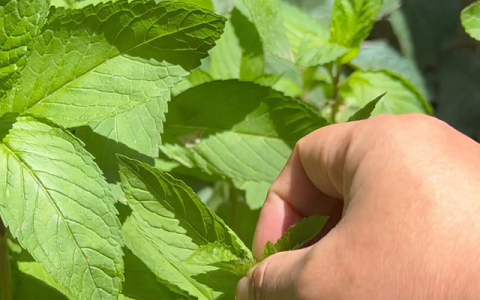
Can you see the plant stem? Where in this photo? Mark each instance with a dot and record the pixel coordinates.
(234, 203)
(5, 270)
(336, 93)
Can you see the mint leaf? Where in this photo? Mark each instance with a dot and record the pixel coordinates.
(142, 284)
(297, 236)
(365, 112)
(20, 23)
(226, 57)
(135, 133)
(267, 17)
(362, 87)
(313, 52)
(101, 61)
(471, 20)
(353, 20)
(253, 59)
(379, 56)
(299, 25)
(259, 134)
(55, 201)
(211, 254)
(164, 251)
(169, 222)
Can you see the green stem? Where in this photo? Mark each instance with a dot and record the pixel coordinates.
(336, 93)
(234, 202)
(5, 268)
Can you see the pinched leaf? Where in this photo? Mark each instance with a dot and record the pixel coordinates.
(365, 112)
(353, 21)
(297, 236)
(267, 16)
(135, 133)
(55, 201)
(169, 222)
(471, 20)
(101, 61)
(20, 23)
(241, 140)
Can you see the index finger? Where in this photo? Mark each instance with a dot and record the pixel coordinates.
(310, 184)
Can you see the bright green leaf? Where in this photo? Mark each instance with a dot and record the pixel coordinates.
(103, 60)
(267, 16)
(20, 23)
(259, 134)
(169, 222)
(353, 20)
(211, 254)
(135, 133)
(365, 112)
(299, 25)
(379, 56)
(362, 87)
(253, 58)
(255, 193)
(297, 236)
(56, 203)
(471, 20)
(313, 52)
(164, 251)
(226, 57)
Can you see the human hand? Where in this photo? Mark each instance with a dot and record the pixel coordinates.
(410, 228)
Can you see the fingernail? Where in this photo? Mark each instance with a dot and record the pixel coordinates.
(242, 289)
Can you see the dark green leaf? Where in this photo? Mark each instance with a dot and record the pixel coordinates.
(365, 112)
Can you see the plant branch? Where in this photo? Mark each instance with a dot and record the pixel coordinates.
(234, 203)
(5, 268)
(336, 93)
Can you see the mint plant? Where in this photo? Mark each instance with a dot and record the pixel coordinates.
(105, 106)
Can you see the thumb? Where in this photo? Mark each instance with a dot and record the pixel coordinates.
(273, 279)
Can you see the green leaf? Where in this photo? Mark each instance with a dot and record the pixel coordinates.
(255, 193)
(226, 57)
(253, 58)
(169, 222)
(20, 23)
(471, 20)
(135, 133)
(379, 56)
(300, 25)
(164, 251)
(37, 271)
(211, 254)
(267, 17)
(259, 134)
(55, 201)
(353, 21)
(361, 87)
(297, 236)
(142, 284)
(314, 52)
(103, 60)
(365, 112)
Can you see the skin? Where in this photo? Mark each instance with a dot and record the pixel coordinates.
(403, 193)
